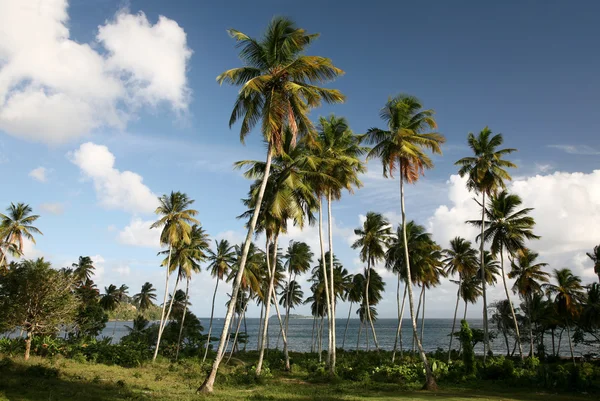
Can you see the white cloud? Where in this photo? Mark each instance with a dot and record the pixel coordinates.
(543, 168)
(53, 89)
(139, 233)
(52, 208)
(576, 149)
(122, 270)
(39, 174)
(115, 189)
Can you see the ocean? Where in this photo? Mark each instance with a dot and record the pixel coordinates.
(435, 335)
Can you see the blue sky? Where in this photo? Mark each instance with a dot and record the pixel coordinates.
(143, 90)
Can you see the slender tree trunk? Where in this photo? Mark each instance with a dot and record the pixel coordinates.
(414, 344)
(237, 330)
(312, 337)
(360, 325)
(486, 339)
(553, 348)
(228, 336)
(506, 341)
(325, 279)
(423, 315)
(430, 383)
(530, 328)
(260, 320)
(28, 344)
(465, 315)
(332, 349)
(570, 343)
(559, 341)
(283, 333)
(168, 315)
(187, 287)
(369, 318)
(320, 345)
(245, 330)
(347, 324)
(114, 329)
(465, 319)
(162, 315)
(399, 329)
(454, 320)
(512, 310)
(207, 385)
(210, 325)
(265, 327)
(367, 337)
(287, 302)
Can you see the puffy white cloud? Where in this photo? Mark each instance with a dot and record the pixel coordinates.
(115, 189)
(38, 174)
(52, 208)
(139, 233)
(53, 89)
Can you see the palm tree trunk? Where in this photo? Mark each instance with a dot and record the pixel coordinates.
(414, 344)
(283, 331)
(570, 343)
(465, 315)
(367, 338)
(455, 312)
(312, 337)
(162, 315)
(320, 344)
(369, 305)
(170, 305)
(287, 301)
(347, 324)
(423, 315)
(210, 325)
(245, 329)
(507, 344)
(512, 310)
(237, 330)
(430, 383)
(399, 329)
(553, 348)
(28, 344)
(360, 325)
(187, 287)
(207, 385)
(559, 341)
(530, 328)
(271, 277)
(332, 349)
(486, 339)
(260, 320)
(325, 279)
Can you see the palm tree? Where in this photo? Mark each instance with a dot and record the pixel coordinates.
(402, 146)
(502, 318)
(354, 294)
(176, 222)
(221, 261)
(83, 269)
(595, 257)
(110, 300)
(278, 89)
(338, 150)
(373, 238)
(298, 259)
(507, 229)
(461, 260)
(568, 296)
(528, 277)
(187, 258)
(146, 297)
(470, 291)
(486, 173)
(16, 225)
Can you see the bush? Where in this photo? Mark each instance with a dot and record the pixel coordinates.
(466, 340)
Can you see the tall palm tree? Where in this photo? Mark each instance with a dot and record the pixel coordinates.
(373, 238)
(187, 257)
(278, 89)
(298, 259)
(470, 291)
(83, 269)
(507, 229)
(502, 318)
(15, 226)
(146, 297)
(221, 260)
(354, 294)
(568, 296)
(176, 220)
(595, 257)
(461, 260)
(338, 150)
(402, 146)
(486, 172)
(528, 277)
(110, 300)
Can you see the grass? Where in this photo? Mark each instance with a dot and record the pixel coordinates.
(64, 380)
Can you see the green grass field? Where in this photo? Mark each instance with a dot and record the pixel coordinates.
(65, 380)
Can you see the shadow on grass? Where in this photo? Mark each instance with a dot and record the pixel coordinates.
(22, 382)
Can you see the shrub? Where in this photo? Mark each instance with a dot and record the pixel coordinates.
(466, 340)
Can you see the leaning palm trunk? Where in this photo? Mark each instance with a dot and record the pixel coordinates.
(212, 313)
(320, 343)
(512, 310)
(187, 287)
(162, 315)
(400, 318)
(368, 307)
(264, 334)
(332, 349)
(168, 315)
(486, 339)
(312, 339)
(570, 343)
(423, 316)
(414, 343)
(430, 380)
(455, 312)
(360, 325)
(260, 320)
(325, 281)
(209, 382)
(283, 333)
(347, 324)
(237, 331)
